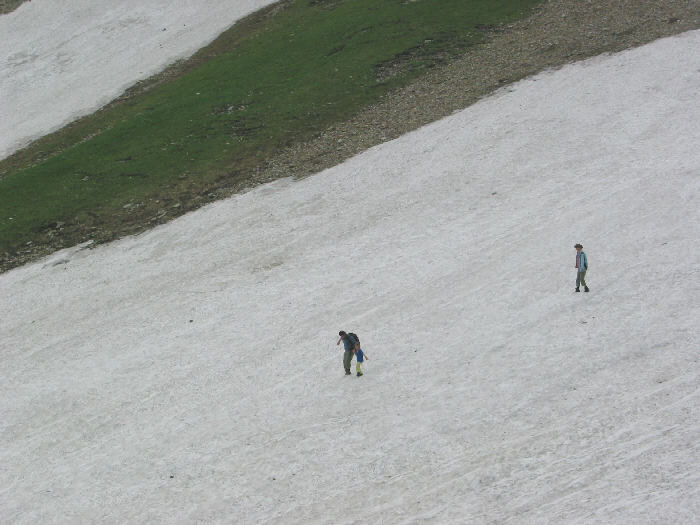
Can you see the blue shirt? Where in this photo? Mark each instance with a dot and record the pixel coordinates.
(582, 261)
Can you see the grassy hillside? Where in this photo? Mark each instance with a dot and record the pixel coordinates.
(277, 77)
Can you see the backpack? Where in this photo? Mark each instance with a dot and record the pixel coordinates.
(354, 338)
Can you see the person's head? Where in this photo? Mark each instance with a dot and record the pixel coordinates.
(578, 247)
(342, 334)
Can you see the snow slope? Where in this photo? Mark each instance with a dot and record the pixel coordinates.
(62, 60)
(190, 374)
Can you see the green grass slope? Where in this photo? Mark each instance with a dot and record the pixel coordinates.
(277, 77)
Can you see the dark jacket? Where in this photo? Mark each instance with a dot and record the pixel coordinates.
(349, 342)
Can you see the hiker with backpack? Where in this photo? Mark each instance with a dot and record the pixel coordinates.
(581, 267)
(351, 344)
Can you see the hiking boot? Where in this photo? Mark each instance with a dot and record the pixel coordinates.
(577, 290)
(359, 374)
(347, 373)
(586, 289)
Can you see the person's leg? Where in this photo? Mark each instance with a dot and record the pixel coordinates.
(359, 368)
(582, 276)
(347, 360)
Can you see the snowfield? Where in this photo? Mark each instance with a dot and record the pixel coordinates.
(62, 60)
(190, 374)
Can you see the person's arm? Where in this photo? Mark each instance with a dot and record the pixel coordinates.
(339, 340)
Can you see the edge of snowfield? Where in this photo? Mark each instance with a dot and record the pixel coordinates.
(190, 374)
(82, 53)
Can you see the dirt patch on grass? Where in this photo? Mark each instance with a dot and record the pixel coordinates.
(557, 33)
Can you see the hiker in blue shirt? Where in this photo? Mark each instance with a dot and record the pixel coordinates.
(349, 345)
(581, 267)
